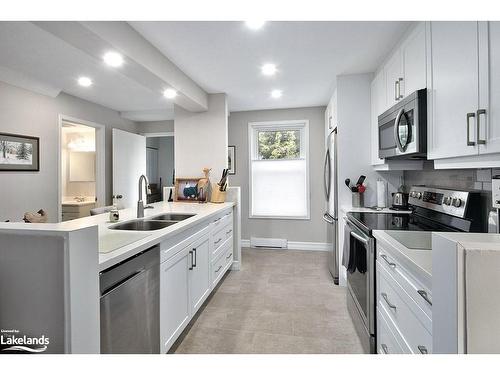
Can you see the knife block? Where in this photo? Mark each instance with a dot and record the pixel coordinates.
(217, 195)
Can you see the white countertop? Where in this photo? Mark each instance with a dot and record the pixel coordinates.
(128, 243)
(418, 261)
(478, 241)
(67, 201)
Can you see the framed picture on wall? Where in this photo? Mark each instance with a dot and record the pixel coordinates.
(19, 153)
(231, 159)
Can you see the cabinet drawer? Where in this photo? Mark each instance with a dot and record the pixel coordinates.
(222, 221)
(220, 237)
(389, 340)
(405, 314)
(221, 264)
(415, 289)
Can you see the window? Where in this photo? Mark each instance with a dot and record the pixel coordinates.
(279, 175)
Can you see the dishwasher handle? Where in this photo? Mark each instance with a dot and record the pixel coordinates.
(121, 282)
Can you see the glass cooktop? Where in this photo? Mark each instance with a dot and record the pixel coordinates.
(368, 221)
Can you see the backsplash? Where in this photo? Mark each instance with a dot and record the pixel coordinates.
(461, 179)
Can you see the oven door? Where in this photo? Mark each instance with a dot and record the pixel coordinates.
(361, 275)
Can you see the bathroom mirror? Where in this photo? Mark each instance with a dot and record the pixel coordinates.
(81, 166)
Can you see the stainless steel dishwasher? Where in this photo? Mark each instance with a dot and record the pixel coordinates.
(130, 305)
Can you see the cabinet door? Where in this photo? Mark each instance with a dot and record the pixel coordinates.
(378, 101)
(174, 297)
(393, 71)
(199, 280)
(454, 64)
(489, 85)
(414, 69)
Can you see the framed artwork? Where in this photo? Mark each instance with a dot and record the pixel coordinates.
(19, 153)
(231, 159)
(188, 190)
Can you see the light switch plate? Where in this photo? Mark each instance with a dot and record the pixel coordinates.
(495, 191)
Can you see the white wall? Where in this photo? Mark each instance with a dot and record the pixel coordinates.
(354, 142)
(27, 113)
(313, 230)
(166, 126)
(201, 139)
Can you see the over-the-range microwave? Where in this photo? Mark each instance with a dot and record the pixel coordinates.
(402, 129)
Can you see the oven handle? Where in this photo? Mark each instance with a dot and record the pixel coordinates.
(365, 240)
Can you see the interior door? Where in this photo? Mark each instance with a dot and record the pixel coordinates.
(454, 93)
(129, 163)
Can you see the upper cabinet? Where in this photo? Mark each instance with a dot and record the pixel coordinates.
(463, 93)
(378, 103)
(453, 96)
(405, 70)
(414, 60)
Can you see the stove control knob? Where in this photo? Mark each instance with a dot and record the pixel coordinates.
(419, 195)
(447, 201)
(412, 194)
(457, 202)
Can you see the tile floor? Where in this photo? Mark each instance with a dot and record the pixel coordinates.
(282, 301)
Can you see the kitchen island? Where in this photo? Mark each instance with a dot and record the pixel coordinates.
(52, 270)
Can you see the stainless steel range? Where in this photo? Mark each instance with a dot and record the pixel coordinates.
(433, 209)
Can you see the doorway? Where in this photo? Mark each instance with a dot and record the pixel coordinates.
(81, 168)
(159, 165)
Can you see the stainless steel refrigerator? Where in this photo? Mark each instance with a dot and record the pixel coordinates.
(331, 196)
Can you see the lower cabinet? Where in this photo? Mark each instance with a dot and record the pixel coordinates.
(174, 297)
(199, 273)
(188, 276)
(404, 314)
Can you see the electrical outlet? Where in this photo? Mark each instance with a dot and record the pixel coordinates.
(495, 191)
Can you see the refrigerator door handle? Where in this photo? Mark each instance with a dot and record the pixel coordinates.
(328, 218)
(327, 182)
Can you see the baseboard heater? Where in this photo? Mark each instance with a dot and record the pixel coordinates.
(275, 243)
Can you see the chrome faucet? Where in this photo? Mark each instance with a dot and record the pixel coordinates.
(140, 203)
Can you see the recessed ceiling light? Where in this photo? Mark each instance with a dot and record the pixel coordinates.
(268, 69)
(84, 81)
(255, 24)
(276, 94)
(169, 93)
(113, 59)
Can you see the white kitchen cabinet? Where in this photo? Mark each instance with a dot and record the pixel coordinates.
(393, 71)
(174, 297)
(199, 275)
(463, 101)
(378, 103)
(489, 88)
(414, 62)
(453, 98)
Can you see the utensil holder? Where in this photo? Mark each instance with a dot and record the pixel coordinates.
(217, 195)
(357, 199)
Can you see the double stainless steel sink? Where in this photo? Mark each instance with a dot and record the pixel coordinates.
(152, 223)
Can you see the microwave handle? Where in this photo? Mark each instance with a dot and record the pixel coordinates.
(396, 95)
(396, 127)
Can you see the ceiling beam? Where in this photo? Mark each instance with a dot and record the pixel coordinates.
(143, 62)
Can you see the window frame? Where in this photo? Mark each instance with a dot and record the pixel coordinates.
(253, 149)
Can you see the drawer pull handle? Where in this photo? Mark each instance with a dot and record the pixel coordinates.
(384, 349)
(423, 349)
(219, 240)
(218, 269)
(384, 296)
(391, 264)
(229, 231)
(229, 256)
(424, 295)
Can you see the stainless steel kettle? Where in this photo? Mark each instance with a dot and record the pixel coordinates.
(399, 201)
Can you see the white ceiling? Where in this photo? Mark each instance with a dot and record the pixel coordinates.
(38, 54)
(226, 56)
(219, 56)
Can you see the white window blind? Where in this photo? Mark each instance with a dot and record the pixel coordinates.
(279, 176)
